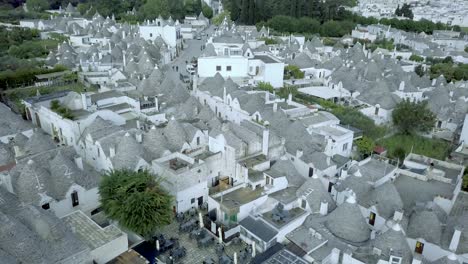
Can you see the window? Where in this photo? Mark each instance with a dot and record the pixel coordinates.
(372, 218)
(228, 68)
(198, 141)
(98, 152)
(151, 35)
(46, 206)
(311, 172)
(303, 203)
(345, 147)
(218, 68)
(395, 260)
(419, 247)
(376, 111)
(267, 180)
(96, 211)
(233, 218)
(75, 200)
(192, 201)
(292, 158)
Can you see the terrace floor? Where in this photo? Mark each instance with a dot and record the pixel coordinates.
(195, 254)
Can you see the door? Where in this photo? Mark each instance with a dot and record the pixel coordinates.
(330, 185)
(215, 181)
(419, 247)
(75, 200)
(372, 218)
(311, 172)
(200, 200)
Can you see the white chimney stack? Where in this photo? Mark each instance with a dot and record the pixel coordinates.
(299, 153)
(265, 140)
(417, 259)
(112, 152)
(323, 207)
(17, 151)
(139, 137)
(79, 162)
(455, 240)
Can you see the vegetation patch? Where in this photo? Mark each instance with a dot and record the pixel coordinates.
(434, 148)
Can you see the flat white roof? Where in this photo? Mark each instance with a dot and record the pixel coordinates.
(324, 92)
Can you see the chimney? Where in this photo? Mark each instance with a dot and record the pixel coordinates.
(335, 256)
(402, 86)
(265, 140)
(323, 207)
(344, 173)
(138, 124)
(112, 152)
(195, 82)
(397, 216)
(79, 162)
(139, 137)
(455, 239)
(275, 107)
(347, 256)
(17, 151)
(224, 95)
(417, 259)
(299, 153)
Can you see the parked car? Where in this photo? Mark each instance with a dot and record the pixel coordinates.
(190, 69)
(184, 78)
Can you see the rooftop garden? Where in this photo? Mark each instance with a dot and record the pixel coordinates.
(60, 109)
(434, 148)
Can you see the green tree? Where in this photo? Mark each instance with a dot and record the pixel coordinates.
(265, 86)
(365, 146)
(416, 58)
(197, 7)
(207, 11)
(136, 200)
(153, 8)
(398, 11)
(292, 71)
(465, 181)
(399, 154)
(217, 20)
(419, 70)
(37, 5)
(412, 117)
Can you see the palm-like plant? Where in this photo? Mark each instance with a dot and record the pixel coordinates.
(136, 200)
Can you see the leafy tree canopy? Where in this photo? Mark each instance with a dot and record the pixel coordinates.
(136, 200)
(412, 117)
(37, 5)
(365, 145)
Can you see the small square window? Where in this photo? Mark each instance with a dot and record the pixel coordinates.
(218, 68)
(228, 68)
(192, 200)
(46, 206)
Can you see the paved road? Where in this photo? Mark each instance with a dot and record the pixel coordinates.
(192, 49)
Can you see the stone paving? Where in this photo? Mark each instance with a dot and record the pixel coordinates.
(196, 255)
